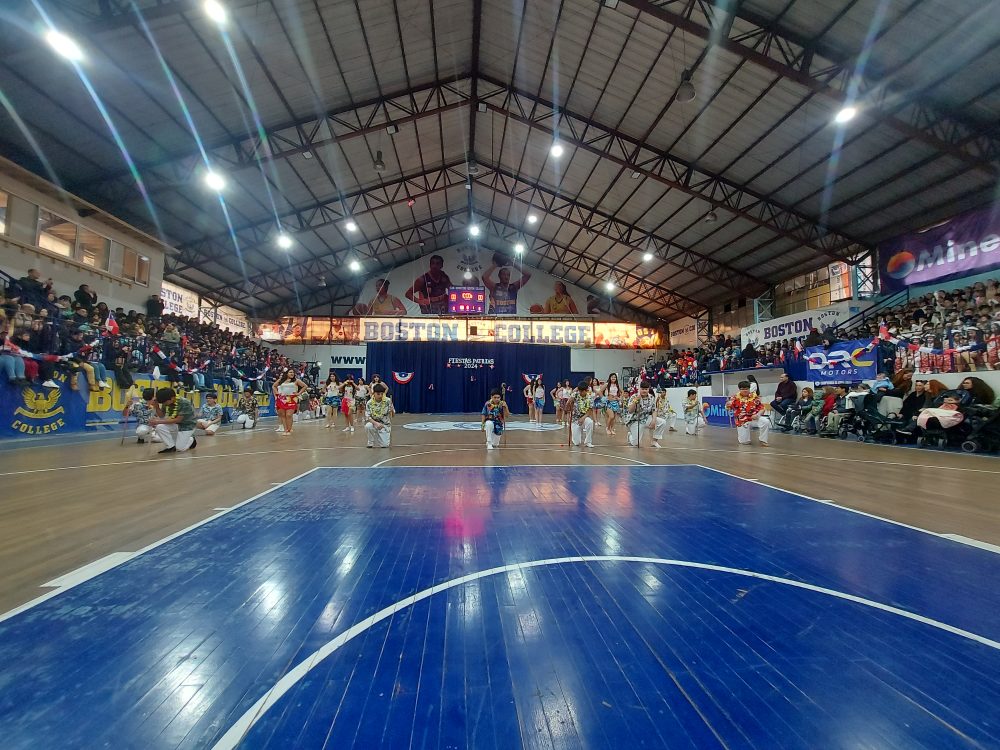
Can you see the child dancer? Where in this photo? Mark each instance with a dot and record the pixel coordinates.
(539, 394)
(143, 410)
(642, 412)
(495, 414)
(348, 392)
(749, 412)
(581, 409)
(529, 399)
(331, 400)
(378, 417)
(665, 410)
(694, 413)
(614, 403)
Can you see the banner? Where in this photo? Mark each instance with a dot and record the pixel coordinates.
(301, 330)
(684, 333)
(965, 245)
(845, 362)
(799, 324)
(227, 318)
(32, 410)
(179, 301)
(471, 363)
(716, 412)
(421, 287)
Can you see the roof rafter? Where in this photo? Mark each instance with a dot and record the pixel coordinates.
(798, 60)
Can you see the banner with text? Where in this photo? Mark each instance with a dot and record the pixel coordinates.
(179, 301)
(227, 318)
(965, 245)
(799, 324)
(844, 362)
(684, 333)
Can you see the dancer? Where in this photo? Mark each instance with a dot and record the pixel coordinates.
(642, 412)
(246, 409)
(539, 395)
(174, 421)
(749, 412)
(665, 410)
(348, 393)
(529, 399)
(211, 414)
(361, 398)
(288, 389)
(495, 416)
(143, 410)
(694, 413)
(557, 401)
(614, 403)
(331, 400)
(378, 417)
(581, 407)
(599, 400)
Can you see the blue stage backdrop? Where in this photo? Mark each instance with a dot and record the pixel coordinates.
(457, 377)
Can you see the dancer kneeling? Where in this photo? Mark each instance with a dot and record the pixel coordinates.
(246, 409)
(580, 407)
(211, 414)
(143, 410)
(642, 413)
(378, 417)
(174, 421)
(495, 414)
(748, 411)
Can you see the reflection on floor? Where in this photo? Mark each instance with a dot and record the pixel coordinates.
(563, 606)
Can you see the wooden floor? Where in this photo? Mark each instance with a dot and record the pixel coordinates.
(64, 507)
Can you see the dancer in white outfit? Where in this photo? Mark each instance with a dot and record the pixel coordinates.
(642, 414)
(749, 411)
(495, 415)
(580, 408)
(378, 417)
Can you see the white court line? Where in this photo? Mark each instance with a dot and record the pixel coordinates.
(130, 555)
(483, 449)
(951, 537)
(235, 734)
(88, 571)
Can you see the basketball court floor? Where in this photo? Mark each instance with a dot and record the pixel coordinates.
(307, 592)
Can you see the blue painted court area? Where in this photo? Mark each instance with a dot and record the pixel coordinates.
(502, 607)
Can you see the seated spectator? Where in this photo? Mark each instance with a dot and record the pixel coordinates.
(801, 408)
(841, 408)
(784, 395)
(211, 414)
(921, 398)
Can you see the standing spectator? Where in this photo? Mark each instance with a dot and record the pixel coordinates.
(86, 298)
(154, 307)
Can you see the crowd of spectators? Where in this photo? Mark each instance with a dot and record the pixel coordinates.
(43, 332)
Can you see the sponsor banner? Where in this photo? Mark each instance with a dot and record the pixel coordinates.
(684, 333)
(179, 301)
(799, 324)
(31, 410)
(716, 412)
(421, 287)
(845, 362)
(965, 245)
(226, 318)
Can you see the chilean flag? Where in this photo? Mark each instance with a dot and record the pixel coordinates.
(402, 377)
(111, 324)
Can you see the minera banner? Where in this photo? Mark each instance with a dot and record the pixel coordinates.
(963, 246)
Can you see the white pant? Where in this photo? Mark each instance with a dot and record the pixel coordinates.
(244, 419)
(492, 439)
(172, 437)
(378, 436)
(655, 424)
(588, 431)
(210, 429)
(691, 428)
(143, 431)
(762, 423)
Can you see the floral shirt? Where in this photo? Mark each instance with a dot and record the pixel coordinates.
(644, 407)
(141, 411)
(248, 405)
(494, 413)
(582, 405)
(210, 413)
(379, 411)
(745, 408)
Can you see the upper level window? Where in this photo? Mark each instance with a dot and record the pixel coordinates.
(3, 213)
(93, 250)
(56, 234)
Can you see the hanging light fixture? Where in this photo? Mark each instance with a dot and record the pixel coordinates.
(686, 92)
(711, 217)
(379, 165)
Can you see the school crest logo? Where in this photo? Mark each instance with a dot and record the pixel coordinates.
(40, 405)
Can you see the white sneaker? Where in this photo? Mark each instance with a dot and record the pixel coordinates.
(656, 443)
(489, 446)
(590, 445)
(352, 429)
(346, 429)
(103, 385)
(280, 429)
(50, 384)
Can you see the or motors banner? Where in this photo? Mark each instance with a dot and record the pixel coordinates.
(32, 410)
(967, 244)
(846, 361)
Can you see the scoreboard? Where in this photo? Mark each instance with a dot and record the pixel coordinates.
(466, 300)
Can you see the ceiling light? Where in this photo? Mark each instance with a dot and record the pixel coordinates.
(284, 241)
(392, 129)
(215, 10)
(379, 165)
(473, 230)
(215, 181)
(557, 150)
(467, 275)
(532, 218)
(473, 167)
(647, 257)
(609, 285)
(636, 174)
(846, 115)
(711, 217)
(519, 248)
(322, 280)
(686, 92)
(64, 45)
(307, 155)
(354, 266)
(611, 4)
(350, 226)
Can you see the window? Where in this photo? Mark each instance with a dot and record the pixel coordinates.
(3, 213)
(135, 267)
(56, 234)
(93, 250)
